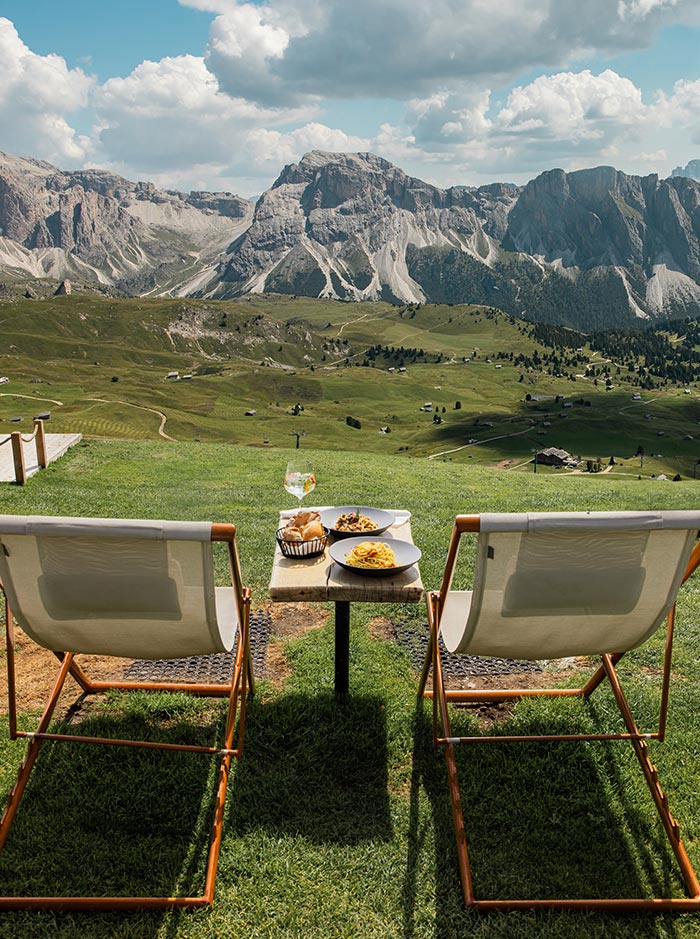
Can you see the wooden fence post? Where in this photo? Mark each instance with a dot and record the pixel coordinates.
(18, 456)
(40, 444)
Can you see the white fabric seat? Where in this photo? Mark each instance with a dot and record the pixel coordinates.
(133, 589)
(566, 584)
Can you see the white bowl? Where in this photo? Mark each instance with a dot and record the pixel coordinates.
(382, 518)
(405, 553)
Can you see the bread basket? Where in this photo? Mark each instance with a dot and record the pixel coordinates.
(302, 549)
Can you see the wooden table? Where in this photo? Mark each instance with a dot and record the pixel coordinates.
(315, 580)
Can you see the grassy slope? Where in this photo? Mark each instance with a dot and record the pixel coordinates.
(339, 821)
(77, 345)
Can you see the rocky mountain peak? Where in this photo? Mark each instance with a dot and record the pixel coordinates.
(691, 170)
(27, 165)
(324, 163)
(589, 248)
(99, 227)
(340, 224)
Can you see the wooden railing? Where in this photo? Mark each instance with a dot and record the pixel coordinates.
(17, 439)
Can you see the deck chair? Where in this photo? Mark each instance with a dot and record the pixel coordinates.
(135, 589)
(554, 585)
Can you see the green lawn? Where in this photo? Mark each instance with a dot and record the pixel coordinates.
(339, 822)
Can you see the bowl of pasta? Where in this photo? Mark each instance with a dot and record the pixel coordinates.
(375, 556)
(348, 521)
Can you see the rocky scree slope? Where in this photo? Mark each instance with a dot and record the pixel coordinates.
(590, 249)
(97, 227)
(341, 224)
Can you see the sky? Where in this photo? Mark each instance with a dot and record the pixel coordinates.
(221, 94)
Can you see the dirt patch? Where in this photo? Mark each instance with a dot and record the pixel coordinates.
(36, 670)
(295, 619)
(522, 680)
(382, 628)
(277, 667)
(494, 712)
(289, 620)
(656, 673)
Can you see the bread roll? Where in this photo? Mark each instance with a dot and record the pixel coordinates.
(292, 534)
(313, 530)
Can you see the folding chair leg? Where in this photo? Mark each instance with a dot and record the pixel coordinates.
(650, 774)
(440, 703)
(25, 769)
(11, 686)
(242, 669)
(458, 824)
(237, 694)
(426, 665)
(598, 676)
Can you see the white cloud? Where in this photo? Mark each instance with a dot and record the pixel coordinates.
(271, 149)
(639, 9)
(288, 50)
(444, 118)
(569, 119)
(573, 106)
(682, 108)
(36, 94)
(246, 43)
(208, 6)
(169, 122)
(171, 114)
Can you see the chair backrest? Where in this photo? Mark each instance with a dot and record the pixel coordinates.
(550, 585)
(132, 588)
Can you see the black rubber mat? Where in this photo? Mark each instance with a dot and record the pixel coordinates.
(414, 639)
(203, 669)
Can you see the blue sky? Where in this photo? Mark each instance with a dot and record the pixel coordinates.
(220, 94)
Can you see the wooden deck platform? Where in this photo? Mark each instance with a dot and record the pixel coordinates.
(56, 446)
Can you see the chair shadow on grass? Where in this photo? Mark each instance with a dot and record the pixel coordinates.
(543, 820)
(101, 820)
(314, 766)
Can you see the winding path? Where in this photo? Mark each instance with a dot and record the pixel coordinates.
(141, 407)
(12, 394)
(517, 433)
(359, 318)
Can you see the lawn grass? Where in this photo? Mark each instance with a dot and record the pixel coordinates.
(338, 822)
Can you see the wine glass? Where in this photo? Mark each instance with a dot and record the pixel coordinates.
(299, 478)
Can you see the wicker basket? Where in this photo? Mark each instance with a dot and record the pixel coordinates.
(302, 549)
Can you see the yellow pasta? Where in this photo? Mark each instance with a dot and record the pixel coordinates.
(372, 554)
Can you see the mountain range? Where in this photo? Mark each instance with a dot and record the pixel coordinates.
(591, 248)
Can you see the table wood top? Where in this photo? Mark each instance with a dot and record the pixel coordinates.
(314, 580)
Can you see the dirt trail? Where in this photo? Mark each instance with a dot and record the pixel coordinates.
(517, 433)
(10, 394)
(350, 322)
(141, 407)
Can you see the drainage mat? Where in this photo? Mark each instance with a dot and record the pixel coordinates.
(414, 639)
(216, 668)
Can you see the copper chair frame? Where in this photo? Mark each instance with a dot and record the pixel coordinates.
(242, 682)
(442, 737)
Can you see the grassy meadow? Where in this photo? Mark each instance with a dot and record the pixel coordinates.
(100, 365)
(338, 821)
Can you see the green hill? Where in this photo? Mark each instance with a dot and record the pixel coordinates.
(306, 366)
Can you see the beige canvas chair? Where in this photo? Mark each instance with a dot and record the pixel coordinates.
(554, 585)
(128, 588)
